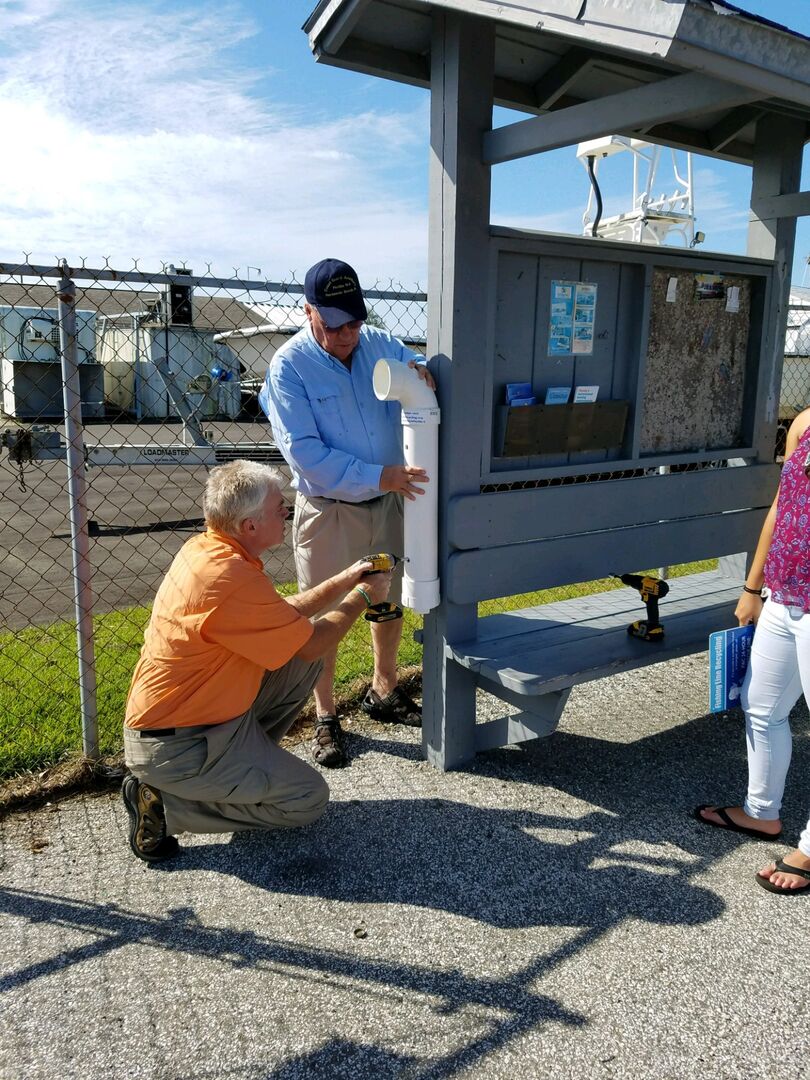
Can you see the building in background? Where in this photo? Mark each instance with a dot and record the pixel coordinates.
(120, 329)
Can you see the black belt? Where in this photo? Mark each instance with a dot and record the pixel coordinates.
(345, 502)
(168, 732)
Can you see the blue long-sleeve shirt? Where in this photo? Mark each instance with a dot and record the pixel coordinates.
(334, 433)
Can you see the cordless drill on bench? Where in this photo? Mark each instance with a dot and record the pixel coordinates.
(651, 590)
(382, 562)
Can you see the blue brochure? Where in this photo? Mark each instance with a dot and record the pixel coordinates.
(729, 653)
(558, 395)
(517, 390)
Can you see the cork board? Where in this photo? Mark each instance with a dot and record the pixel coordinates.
(696, 366)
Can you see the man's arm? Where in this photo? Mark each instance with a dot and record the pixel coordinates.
(253, 621)
(311, 601)
(330, 628)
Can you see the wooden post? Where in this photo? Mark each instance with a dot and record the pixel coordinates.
(776, 170)
(462, 63)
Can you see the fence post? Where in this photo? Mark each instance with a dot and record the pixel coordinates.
(77, 498)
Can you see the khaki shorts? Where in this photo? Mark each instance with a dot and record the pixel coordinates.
(328, 536)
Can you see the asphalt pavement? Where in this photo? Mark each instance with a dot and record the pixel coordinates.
(141, 516)
(549, 911)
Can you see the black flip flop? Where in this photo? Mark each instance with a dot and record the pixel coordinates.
(785, 868)
(730, 825)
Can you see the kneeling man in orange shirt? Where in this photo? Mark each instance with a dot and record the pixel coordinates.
(225, 668)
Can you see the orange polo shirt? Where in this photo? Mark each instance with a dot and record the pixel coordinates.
(217, 625)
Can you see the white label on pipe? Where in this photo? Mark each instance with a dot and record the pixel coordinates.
(420, 416)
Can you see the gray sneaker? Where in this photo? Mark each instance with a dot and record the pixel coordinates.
(147, 822)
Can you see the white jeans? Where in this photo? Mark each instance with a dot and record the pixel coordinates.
(778, 674)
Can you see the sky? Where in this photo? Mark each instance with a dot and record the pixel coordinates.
(204, 134)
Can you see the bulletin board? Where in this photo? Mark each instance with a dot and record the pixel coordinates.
(697, 362)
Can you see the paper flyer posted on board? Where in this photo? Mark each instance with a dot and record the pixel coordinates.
(584, 315)
(572, 316)
(561, 318)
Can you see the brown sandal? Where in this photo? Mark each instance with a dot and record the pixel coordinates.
(394, 708)
(327, 743)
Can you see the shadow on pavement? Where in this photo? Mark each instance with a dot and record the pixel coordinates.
(634, 856)
(115, 927)
(654, 783)
(340, 1058)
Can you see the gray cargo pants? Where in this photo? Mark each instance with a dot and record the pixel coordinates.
(233, 776)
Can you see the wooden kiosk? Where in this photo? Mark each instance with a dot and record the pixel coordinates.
(685, 347)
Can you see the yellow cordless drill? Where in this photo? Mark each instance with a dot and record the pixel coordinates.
(382, 562)
(651, 589)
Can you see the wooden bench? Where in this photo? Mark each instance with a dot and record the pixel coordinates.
(503, 544)
(531, 658)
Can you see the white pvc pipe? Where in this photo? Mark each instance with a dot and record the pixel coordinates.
(394, 381)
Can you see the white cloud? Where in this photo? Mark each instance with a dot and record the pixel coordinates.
(722, 206)
(134, 129)
(566, 220)
(127, 135)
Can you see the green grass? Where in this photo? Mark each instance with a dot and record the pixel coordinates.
(40, 715)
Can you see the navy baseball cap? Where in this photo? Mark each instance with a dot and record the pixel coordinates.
(332, 287)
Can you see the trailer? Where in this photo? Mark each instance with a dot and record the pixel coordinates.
(31, 368)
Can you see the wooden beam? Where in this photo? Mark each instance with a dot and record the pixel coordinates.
(732, 124)
(782, 206)
(383, 62)
(462, 72)
(498, 518)
(336, 35)
(680, 137)
(776, 175)
(487, 573)
(515, 95)
(671, 99)
(561, 77)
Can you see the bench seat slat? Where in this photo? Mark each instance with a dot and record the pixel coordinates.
(568, 645)
(686, 594)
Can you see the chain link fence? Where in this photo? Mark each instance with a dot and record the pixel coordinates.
(119, 391)
(795, 393)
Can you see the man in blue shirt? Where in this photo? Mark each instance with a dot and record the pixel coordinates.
(344, 447)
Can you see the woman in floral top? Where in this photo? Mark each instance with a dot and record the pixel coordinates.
(779, 670)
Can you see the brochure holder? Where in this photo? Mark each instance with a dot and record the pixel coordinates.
(560, 429)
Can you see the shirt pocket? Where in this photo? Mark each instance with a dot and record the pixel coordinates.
(330, 412)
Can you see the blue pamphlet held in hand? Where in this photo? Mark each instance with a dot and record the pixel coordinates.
(729, 653)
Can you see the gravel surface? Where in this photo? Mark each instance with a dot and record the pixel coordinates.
(551, 911)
